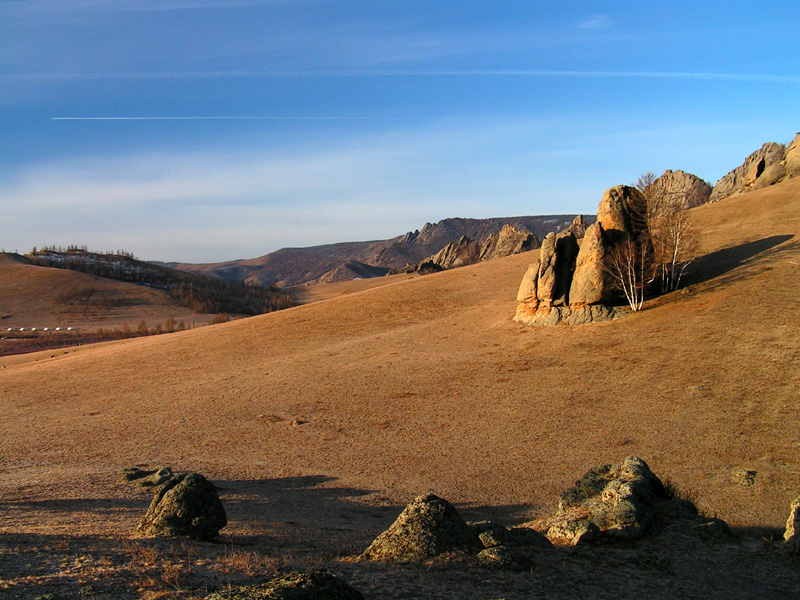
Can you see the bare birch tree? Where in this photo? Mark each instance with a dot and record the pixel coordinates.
(628, 265)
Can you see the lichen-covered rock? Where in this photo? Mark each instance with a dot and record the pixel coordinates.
(615, 500)
(184, 506)
(762, 168)
(503, 557)
(315, 585)
(427, 527)
(792, 534)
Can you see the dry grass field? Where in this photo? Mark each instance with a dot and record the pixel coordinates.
(319, 422)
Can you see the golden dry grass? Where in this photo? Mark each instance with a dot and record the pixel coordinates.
(426, 384)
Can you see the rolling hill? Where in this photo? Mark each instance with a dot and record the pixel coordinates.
(318, 422)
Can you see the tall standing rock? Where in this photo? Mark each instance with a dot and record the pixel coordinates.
(622, 213)
(589, 284)
(546, 285)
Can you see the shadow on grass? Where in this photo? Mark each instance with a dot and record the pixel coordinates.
(737, 262)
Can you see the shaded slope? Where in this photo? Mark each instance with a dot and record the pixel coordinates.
(427, 384)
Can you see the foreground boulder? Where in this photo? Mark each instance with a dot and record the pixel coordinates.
(315, 585)
(186, 505)
(613, 500)
(427, 527)
(792, 534)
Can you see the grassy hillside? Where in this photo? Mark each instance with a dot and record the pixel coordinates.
(332, 415)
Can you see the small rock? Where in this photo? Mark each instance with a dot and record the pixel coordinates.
(143, 478)
(315, 585)
(503, 557)
(184, 506)
(427, 527)
(792, 534)
(713, 529)
(744, 477)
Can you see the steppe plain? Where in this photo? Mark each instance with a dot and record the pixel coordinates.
(318, 424)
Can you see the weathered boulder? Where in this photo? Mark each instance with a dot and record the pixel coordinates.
(508, 241)
(589, 284)
(622, 213)
(676, 189)
(762, 168)
(792, 534)
(543, 315)
(184, 506)
(314, 585)
(493, 534)
(427, 527)
(546, 285)
(577, 227)
(791, 162)
(613, 500)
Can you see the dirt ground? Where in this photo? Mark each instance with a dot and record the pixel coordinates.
(320, 422)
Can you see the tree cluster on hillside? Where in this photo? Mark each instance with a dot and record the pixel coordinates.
(662, 246)
(200, 293)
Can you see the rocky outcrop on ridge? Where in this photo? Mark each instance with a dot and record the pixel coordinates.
(569, 284)
(762, 168)
(185, 505)
(508, 241)
(462, 252)
(427, 527)
(350, 271)
(676, 189)
(791, 163)
(314, 585)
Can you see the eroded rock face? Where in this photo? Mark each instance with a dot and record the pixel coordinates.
(427, 527)
(791, 162)
(184, 506)
(622, 213)
(792, 534)
(589, 284)
(456, 254)
(613, 500)
(762, 168)
(315, 585)
(677, 189)
(508, 241)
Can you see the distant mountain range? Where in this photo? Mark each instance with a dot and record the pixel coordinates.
(353, 260)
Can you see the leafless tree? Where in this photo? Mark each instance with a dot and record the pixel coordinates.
(675, 242)
(645, 181)
(628, 264)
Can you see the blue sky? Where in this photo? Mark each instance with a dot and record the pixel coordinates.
(211, 130)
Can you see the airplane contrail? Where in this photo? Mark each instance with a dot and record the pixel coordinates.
(740, 77)
(235, 118)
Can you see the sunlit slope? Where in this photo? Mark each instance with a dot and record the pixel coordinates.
(35, 296)
(427, 384)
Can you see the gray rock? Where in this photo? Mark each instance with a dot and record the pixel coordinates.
(615, 500)
(184, 506)
(713, 529)
(508, 241)
(315, 585)
(502, 557)
(427, 527)
(152, 478)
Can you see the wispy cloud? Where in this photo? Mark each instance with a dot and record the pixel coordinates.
(596, 22)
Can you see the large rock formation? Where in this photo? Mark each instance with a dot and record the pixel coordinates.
(427, 527)
(676, 189)
(508, 241)
(762, 168)
(456, 254)
(569, 284)
(184, 506)
(315, 585)
(791, 163)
